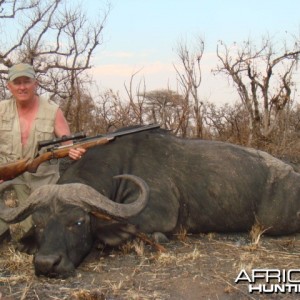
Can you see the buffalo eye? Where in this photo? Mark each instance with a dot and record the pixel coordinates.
(78, 223)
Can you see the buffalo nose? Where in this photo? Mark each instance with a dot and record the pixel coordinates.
(46, 264)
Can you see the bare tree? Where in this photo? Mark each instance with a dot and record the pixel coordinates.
(189, 78)
(166, 108)
(113, 112)
(264, 80)
(56, 39)
(227, 123)
(136, 99)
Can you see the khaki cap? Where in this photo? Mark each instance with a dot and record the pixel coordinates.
(20, 70)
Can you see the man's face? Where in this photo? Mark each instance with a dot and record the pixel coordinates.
(23, 88)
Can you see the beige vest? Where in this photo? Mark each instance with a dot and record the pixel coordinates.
(42, 129)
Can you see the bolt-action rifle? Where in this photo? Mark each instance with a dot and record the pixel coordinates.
(11, 170)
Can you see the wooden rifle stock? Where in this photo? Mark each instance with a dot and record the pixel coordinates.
(11, 170)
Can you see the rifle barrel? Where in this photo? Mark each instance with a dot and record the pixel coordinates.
(121, 132)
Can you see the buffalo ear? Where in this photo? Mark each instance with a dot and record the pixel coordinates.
(27, 243)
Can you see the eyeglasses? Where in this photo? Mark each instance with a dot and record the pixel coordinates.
(19, 82)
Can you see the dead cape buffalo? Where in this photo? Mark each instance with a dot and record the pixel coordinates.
(199, 185)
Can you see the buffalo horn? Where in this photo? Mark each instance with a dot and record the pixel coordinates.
(91, 200)
(77, 194)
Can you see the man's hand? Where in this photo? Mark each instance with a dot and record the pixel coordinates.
(76, 153)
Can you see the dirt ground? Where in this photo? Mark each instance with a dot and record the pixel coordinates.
(196, 267)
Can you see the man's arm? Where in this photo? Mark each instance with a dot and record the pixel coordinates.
(62, 128)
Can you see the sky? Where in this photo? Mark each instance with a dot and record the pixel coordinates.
(143, 35)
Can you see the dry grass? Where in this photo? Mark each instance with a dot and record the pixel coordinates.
(87, 295)
(16, 262)
(206, 265)
(137, 246)
(182, 234)
(256, 232)
(179, 259)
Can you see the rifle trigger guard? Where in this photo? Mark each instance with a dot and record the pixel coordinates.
(53, 160)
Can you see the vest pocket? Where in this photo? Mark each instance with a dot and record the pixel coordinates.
(6, 136)
(44, 130)
(6, 123)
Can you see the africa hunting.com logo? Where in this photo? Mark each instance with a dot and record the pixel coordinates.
(270, 281)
